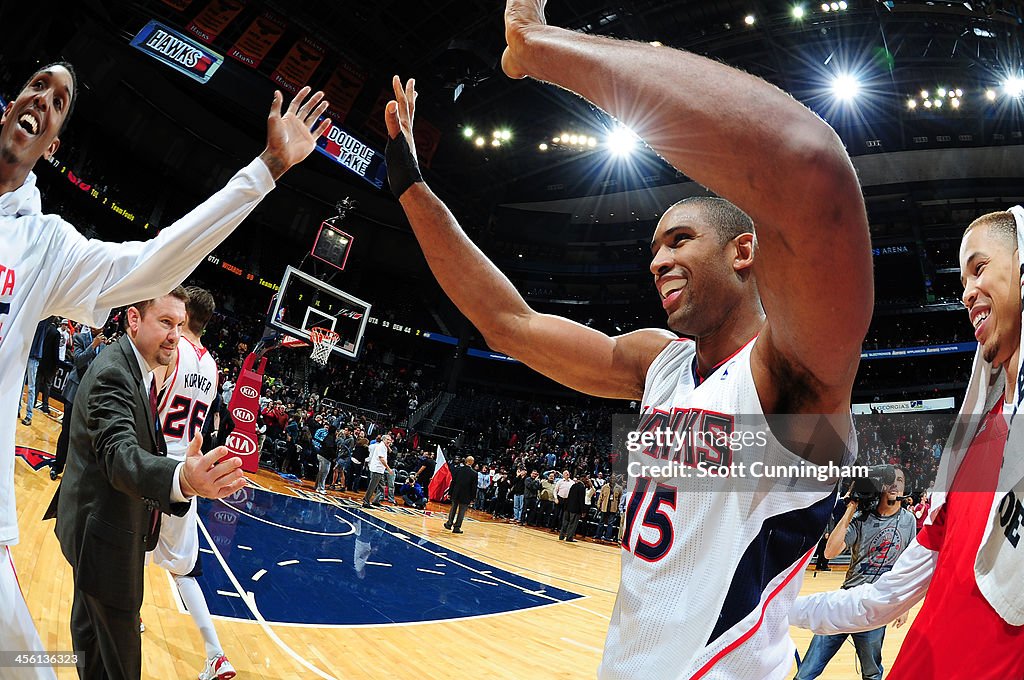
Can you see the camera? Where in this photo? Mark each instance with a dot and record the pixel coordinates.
(112, 328)
(868, 490)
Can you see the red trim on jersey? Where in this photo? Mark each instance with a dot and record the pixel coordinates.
(165, 392)
(14, 571)
(746, 636)
(200, 350)
(723, 361)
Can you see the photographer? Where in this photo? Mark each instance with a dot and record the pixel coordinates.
(876, 528)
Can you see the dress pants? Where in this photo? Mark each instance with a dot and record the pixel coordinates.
(456, 514)
(107, 640)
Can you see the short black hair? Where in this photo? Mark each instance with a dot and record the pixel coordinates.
(74, 87)
(726, 219)
(1000, 223)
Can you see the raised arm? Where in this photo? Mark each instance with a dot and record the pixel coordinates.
(565, 351)
(750, 143)
(95, 276)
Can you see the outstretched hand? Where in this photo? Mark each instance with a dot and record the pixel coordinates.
(400, 154)
(291, 137)
(400, 111)
(521, 17)
(212, 475)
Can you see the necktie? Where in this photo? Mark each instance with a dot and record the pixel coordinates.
(154, 518)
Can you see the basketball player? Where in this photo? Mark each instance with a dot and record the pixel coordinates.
(47, 268)
(971, 624)
(189, 389)
(709, 568)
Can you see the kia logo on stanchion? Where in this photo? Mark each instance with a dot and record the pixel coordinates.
(240, 443)
(248, 391)
(243, 415)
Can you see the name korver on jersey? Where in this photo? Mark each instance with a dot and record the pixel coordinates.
(198, 381)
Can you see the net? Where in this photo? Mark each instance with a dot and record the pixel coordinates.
(323, 340)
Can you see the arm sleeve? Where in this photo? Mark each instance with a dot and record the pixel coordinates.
(84, 354)
(96, 276)
(128, 467)
(869, 605)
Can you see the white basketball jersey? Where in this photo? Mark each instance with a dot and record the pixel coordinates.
(183, 407)
(186, 397)
(711, 566)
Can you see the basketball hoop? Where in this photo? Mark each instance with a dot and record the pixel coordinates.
(324, 340)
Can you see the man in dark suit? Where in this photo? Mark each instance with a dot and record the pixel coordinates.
(462, 492)
(117, 483)
(85, 345)
(574, 506)
(48, 363)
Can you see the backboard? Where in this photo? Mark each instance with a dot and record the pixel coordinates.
(304, 302)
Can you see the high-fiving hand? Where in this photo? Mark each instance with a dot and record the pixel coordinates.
(212, 475)
(291, 137)
(400, 154)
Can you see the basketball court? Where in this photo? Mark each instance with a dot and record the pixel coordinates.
(305, 585)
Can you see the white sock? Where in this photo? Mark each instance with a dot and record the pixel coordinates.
(192, 595)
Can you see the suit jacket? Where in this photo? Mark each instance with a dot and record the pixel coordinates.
(113, 479)
(83, 357)
(463, 488)
(574, 502)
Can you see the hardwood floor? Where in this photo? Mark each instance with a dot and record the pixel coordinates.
(562, 639)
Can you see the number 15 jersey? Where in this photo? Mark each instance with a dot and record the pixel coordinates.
(711, 565)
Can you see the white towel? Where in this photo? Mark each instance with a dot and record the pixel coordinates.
(999, 564)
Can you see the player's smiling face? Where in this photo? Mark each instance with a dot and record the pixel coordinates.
(693, 271)
(988, 270)
(32, 122)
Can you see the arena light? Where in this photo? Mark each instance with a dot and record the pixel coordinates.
(479, 141)
(842, 4)
(990, 95)
(621, 141)
(845, 87)
(798, 12)
(1014, 86)
(467, 132)
(749, 20)
(911, 104)
(824, 7)
(506, 135)
(495, 142)
(543, 146)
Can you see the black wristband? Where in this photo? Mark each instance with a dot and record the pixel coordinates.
(403, 171)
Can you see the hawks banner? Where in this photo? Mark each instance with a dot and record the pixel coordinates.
(177, 51)
(263, 33)
(214, 18)
(341, 90)
(297, 67)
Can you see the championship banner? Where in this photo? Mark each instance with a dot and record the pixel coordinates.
(375, 123)
(427, 138)
(341, 90)
(913, 406)
(253, 45)
(354, 155)
(297, 67)
(214, 18)
(177, 51)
